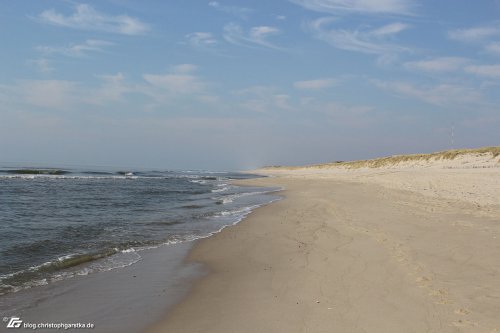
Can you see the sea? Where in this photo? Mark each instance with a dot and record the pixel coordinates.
(57, 224)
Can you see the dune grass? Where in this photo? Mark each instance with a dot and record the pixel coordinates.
(396, 159)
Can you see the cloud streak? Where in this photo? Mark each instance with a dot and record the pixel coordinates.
(492, 71)
(397, 7)
(85, 17)
(42, 65)
(240, 12)
(365, 41)
(443, 95)
(475, 34)
(493, 48)
(76, 50)
(315, 84)
(441, 64)
(264, 99)
(157, 89)
(201, 39)
(180, 81)
(256, 36)
(52, 94)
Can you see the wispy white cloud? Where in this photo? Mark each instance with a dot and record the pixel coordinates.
(49, 93)
(492, 71)
(259, 34)
(389, 29)
(53, 94)
(475, 34)
(185, 68)
(398, 7)
(334, 108)
(85, 17)
(76, 50)
(175, 83)
(366, 41)
(353, 116)
(485, 36)
(441, 64)
(112, 89)
(441, 95)
(341, 114)
(201, 39)
(240, 12)
(181, 81)
(281, 17)
(268, 104)
(263, 99)
(256, 36)
(493, 48)
(314, 84)
(67, 95)
(157, 89)
(208, 99)
(42, 65)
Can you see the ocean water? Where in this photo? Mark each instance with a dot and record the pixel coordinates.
(57, 224)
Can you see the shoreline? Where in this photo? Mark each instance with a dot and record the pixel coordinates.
(348, 255)
(190, 259)
(124, 299)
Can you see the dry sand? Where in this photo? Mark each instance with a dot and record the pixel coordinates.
(406, 249)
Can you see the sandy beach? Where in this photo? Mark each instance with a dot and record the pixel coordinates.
(229, 166)
(400, 248)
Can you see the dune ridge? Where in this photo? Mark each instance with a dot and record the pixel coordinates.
(456, 158)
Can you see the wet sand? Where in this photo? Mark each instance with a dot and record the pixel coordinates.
(124, 300)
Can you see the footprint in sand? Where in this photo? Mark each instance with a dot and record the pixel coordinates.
(422, 281)
(463, 323)
(462, 311)
(441, 295)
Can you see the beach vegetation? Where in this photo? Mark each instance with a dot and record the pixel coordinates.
(395, 160)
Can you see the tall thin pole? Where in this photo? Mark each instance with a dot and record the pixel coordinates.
(452, 136)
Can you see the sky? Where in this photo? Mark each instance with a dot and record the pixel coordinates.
(231, 85)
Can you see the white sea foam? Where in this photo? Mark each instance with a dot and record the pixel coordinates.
(121, 259)
(199, 181)
(128, 175)
(230, 198)
(224, 187)
(30, 177)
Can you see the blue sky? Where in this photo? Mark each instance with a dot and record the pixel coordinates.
(239, 84)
